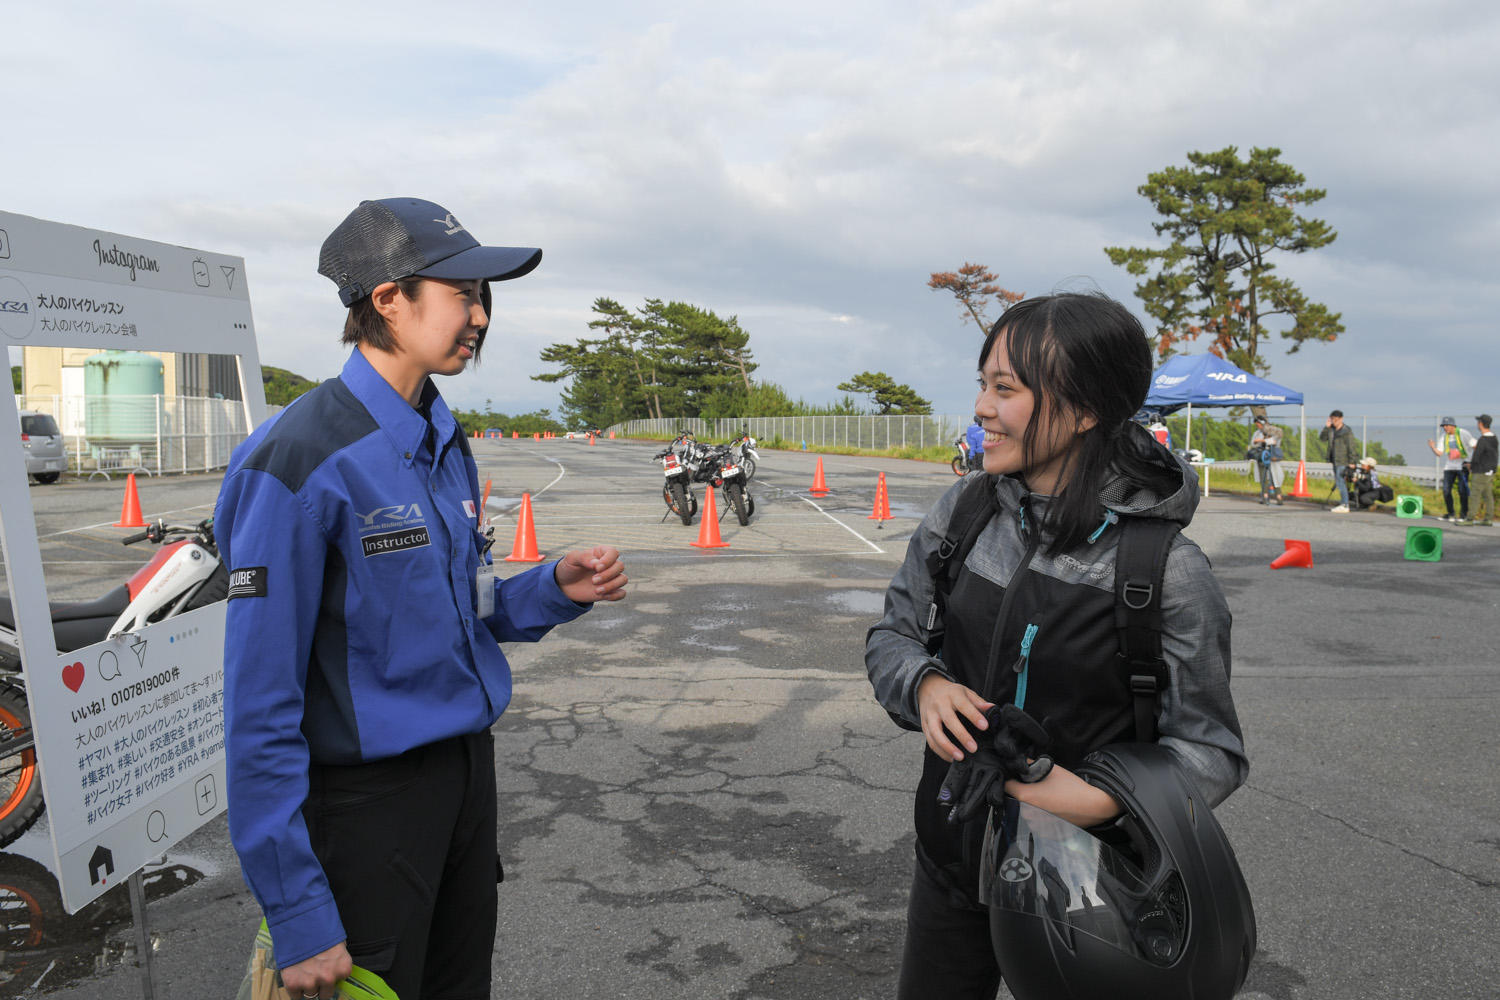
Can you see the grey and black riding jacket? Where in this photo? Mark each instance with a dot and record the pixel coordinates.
(1015, 605)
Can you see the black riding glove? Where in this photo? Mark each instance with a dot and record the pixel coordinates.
(1014, 746)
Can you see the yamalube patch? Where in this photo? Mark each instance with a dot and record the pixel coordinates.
(247, 582)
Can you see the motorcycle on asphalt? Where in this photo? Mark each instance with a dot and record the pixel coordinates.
(184, 574)
(745, 455)
(677, 478)
(721, 467)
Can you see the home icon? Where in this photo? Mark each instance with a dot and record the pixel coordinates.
(101, 863)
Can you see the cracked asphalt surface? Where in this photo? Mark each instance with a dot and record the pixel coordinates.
(699, 796)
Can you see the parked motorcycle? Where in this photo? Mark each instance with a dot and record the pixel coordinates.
(732, 478)
(745, 455)
(184, 574)
(676, 489)
(967, 460)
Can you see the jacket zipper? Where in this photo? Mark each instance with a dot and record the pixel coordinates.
(993, 665)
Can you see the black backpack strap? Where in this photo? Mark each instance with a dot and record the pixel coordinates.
(1140, 566)
(976, 505)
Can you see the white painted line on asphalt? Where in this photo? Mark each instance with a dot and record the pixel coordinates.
(111, 524)
(500, 505)
(841, 524)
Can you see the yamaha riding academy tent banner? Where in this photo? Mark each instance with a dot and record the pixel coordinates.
(1209, 380)
(1212, 381)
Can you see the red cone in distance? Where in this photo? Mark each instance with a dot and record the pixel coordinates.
(882, 511)
(1298, 555)
(1299, 487)
(708, 531)
(819, 486)
(130, 510)
(524, 549)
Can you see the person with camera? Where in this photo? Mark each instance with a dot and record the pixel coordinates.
(1265, 452)
(1368, 490)
(1454, 449)
(1342, 455)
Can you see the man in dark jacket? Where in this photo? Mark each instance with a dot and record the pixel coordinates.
(1482, 472)
(1343, 454)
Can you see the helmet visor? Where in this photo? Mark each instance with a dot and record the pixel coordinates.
(1038, 866)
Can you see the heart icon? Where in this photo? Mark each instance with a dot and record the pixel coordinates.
(73, 676)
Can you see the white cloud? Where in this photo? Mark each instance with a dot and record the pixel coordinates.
(804, 166)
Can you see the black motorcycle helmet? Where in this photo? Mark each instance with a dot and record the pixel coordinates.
(1150, 907)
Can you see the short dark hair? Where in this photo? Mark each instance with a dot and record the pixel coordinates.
(365, 325)
(1088, 353)
(1336, 413)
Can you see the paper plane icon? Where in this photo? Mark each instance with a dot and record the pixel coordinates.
(228, 273)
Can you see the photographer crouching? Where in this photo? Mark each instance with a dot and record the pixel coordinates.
(1365, 486)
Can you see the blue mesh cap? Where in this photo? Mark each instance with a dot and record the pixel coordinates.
(397, 238)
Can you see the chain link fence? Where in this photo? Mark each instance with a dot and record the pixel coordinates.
(104, 435)
(868, 431)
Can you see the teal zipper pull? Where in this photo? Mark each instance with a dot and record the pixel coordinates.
(1023, 664)
(1110, 517)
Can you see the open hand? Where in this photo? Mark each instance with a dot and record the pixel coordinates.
(588, 575)
(940, 703)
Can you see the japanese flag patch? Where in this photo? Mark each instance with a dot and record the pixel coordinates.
(469, 507)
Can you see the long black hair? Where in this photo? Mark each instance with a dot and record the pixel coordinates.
(1084, 354)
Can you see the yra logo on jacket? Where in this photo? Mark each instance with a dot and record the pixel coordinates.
(390, 516)
(392, 528)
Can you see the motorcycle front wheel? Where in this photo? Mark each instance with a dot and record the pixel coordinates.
(958, 465)
(680, 502)
(737, 497)
(20, 785)
(749, 466)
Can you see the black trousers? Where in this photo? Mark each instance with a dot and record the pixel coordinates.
(408, 845)
(948, 955)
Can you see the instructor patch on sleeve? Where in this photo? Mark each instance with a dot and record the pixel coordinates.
(247, 582)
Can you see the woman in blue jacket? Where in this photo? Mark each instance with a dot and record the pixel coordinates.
(362, 670)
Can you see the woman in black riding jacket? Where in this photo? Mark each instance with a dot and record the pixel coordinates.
(1034, 609)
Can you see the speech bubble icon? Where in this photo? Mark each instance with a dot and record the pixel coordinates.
(109, 665)
(73, 675)
(156, 826)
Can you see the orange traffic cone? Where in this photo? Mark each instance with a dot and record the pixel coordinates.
(1298, 555)
(524, 549)
(514, 435)
(882, 511)
(708, 531)
(1299, 488)
(591, 440)
(130, 510)
(611, 435)
(819, 487)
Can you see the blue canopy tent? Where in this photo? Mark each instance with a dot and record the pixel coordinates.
(1208, 380)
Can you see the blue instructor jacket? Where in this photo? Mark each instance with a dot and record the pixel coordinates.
(352, 545)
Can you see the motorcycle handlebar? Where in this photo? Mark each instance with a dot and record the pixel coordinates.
(138, 537)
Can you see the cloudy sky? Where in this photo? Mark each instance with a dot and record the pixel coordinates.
(802, 165)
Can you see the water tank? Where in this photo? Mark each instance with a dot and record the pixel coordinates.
(120, 391)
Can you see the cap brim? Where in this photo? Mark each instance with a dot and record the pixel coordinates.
(485, 264)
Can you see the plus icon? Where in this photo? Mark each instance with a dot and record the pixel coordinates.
(207, 794)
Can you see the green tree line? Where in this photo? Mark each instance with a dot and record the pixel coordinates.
(676, 360)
